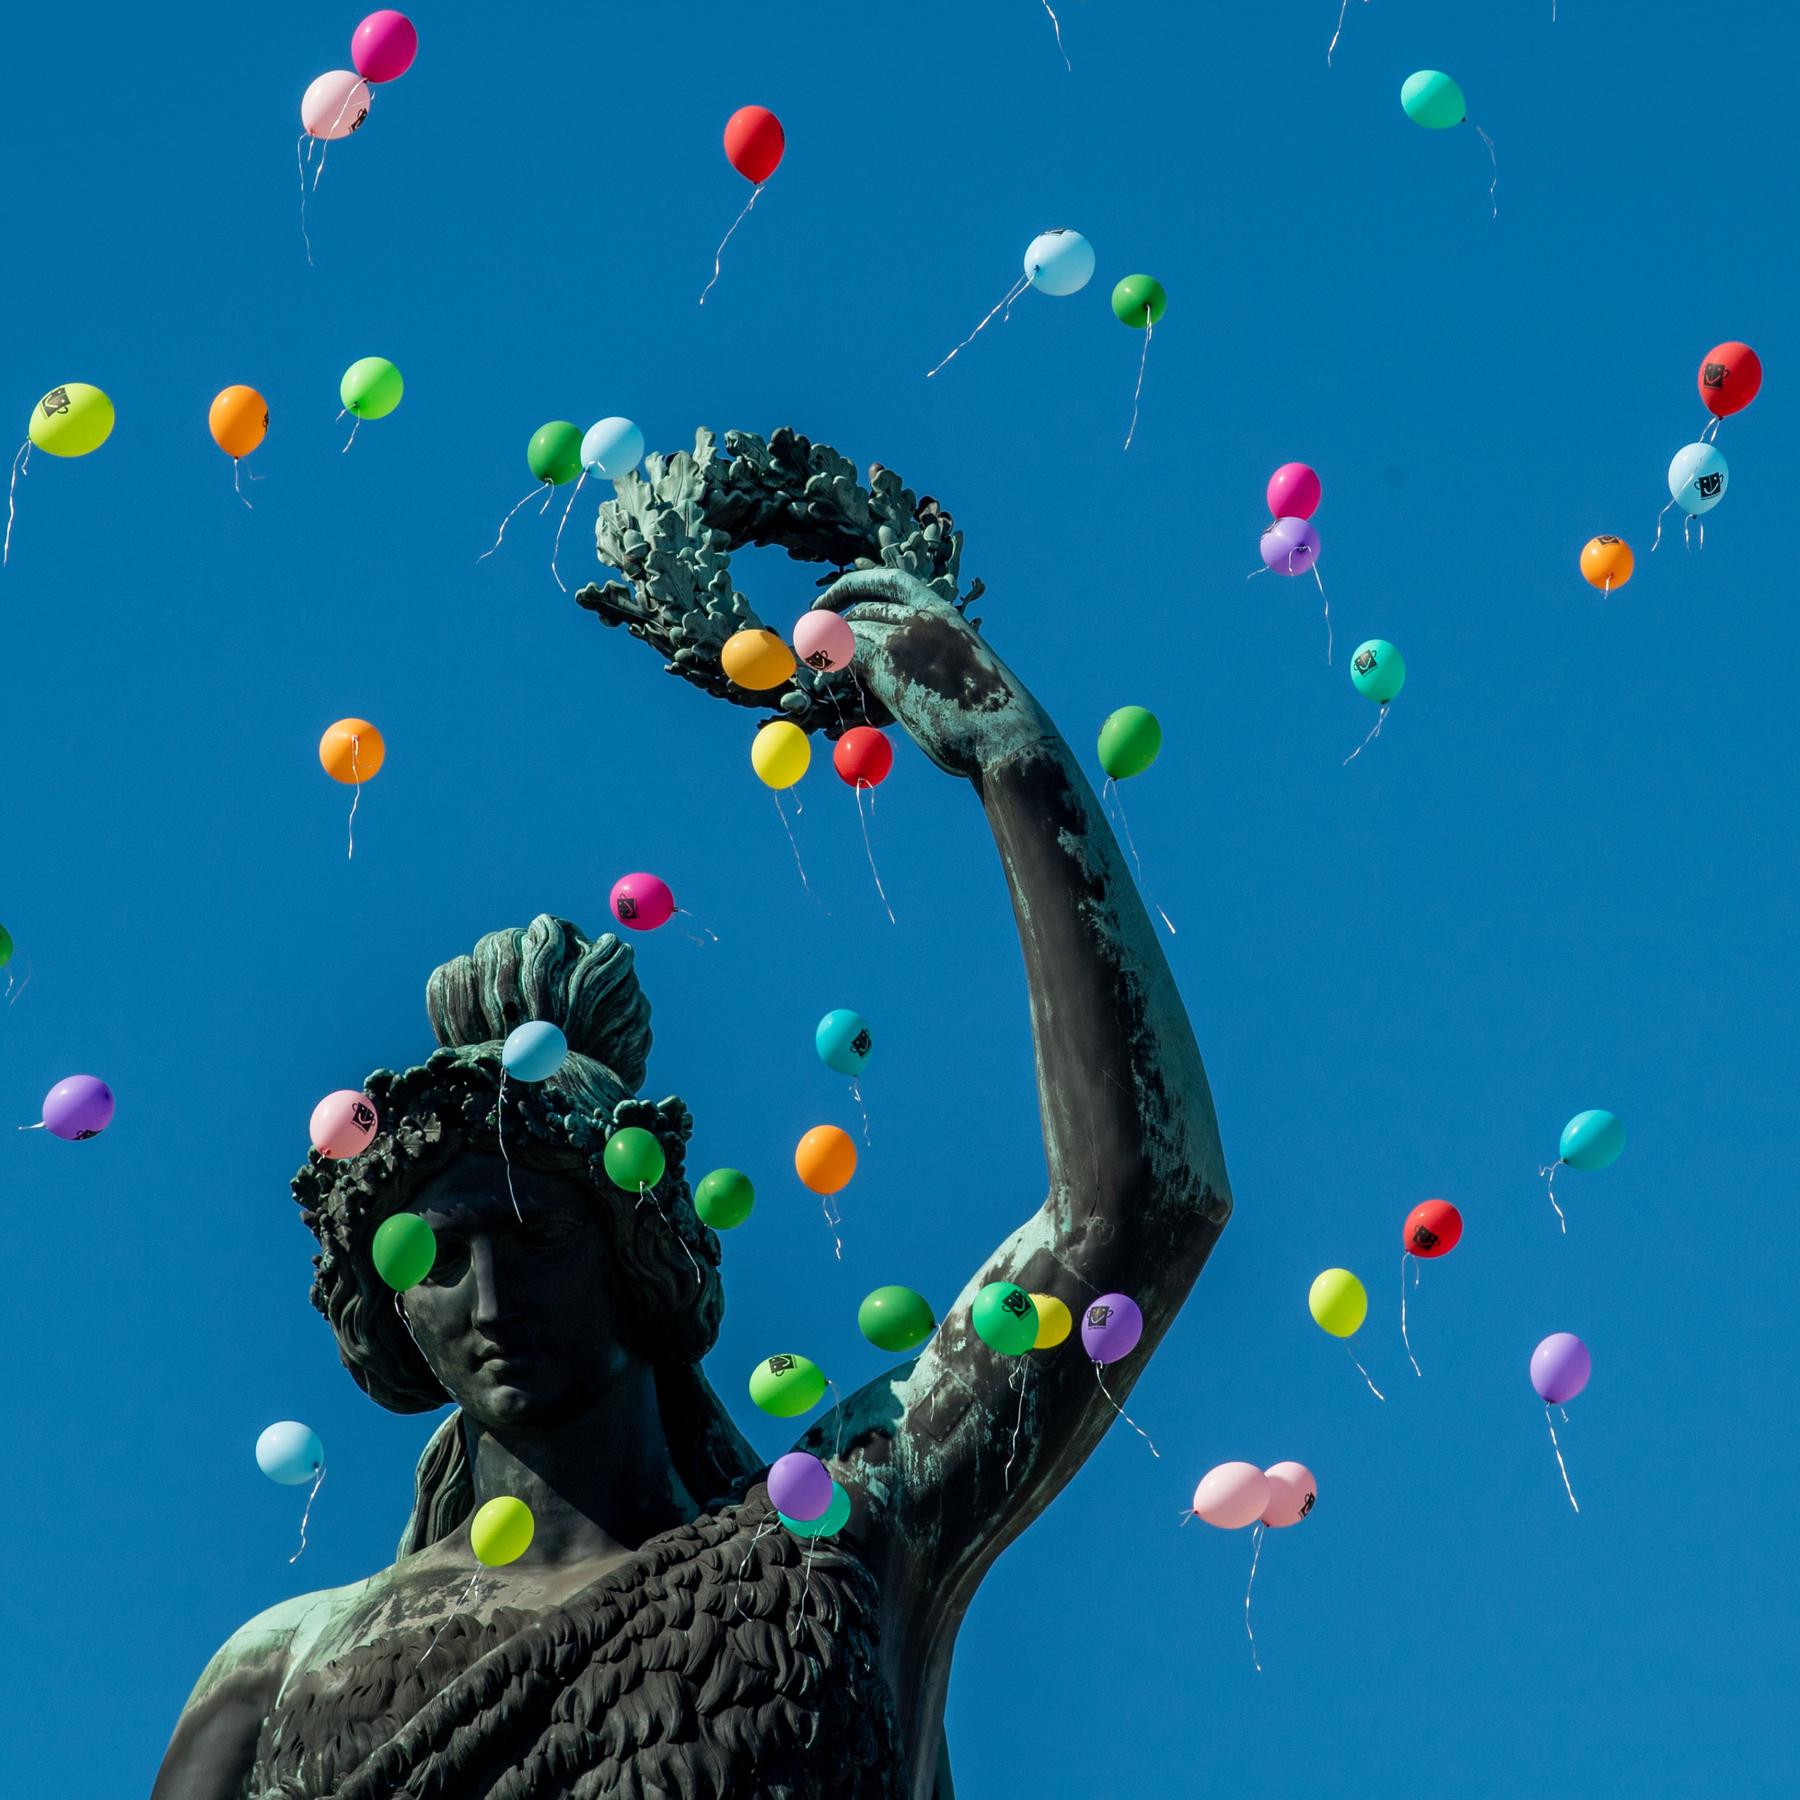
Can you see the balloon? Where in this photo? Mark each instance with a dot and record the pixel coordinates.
(825, 1159)
(1560, 1367)
(404, 1250)
(554, 453)
(6, 947)
(384, 46)
(1432, 1228)
(1139, 300)
(1233, 1495)
(823, 640)
(1292, 1491)
(862, 757)
(1111, 1327)
(1730, 375)
(787, 1385)
(335, 104)
(642, 902)
(1592, 1140)
(836, 1516)
(371, 387)
(634, 1159)
(1433, 100)
(1606, 562)
(1054, 1321)
(800, 1487)
(724, 1199)
(1289, 546)
(534, 1051)
(1005, 1318)
(500, 1532)
(290, 1453)
(238, 420)
(343, 1123)
(1338, 1301)
(757, 660)
(352, 751)
(1294, 492)
(79, 1107)
(780, 753)
(1059, 262)
(71, 420)
(1698, 477)
(1378, 671)
(754, 142)
(612, 447)
(1130, 741)
(895, 1318)
(843, 1041)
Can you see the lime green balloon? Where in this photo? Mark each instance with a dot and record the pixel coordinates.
(6, 947)
(787, 1386)
(371, 387)
(1339, 1302)
(829, 1523)
(71, 420)
(634, 1159)
(554, 453)
(1378, 671)
(895, 1318)
(404, 1250)
(724, 1199)
(1433, 100)
(1129, 742)
(500, 1532)
(1139, 300)
(1005, 1318)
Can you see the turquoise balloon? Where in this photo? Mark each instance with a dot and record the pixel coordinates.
(1433, 100)
(1378, 671)
(1592, 1140)
(829, 1523)
(843, 1041)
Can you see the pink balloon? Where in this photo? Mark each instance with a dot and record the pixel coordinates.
(642, 902)
(824, 640)
(384, 46)
(335, 105)
(1292, 1492)
(343, 1123)
(1294, 492)
(1233, 1495)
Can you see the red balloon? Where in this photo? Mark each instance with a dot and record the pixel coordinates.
(863, 757)
(1432, 1228)
(1729, 378)
(754, 142)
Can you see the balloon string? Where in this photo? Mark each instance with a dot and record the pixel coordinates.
(302, 156)
(1256, 1538)
(39, 1126)
(1496, 162)
(1364, 1373)
(1149, 327)
(557, 546)
(1554, 1445)
(737, 1586)
(1407, 1341)
(711, 935)
(404, 1320)
(812, 1545)
(1016, 1380)
(833, 1219)
(1547, 1175)
(856, 1095)
(837, 1412)
(1712, 425)
(1056, 25)
(1343, 8)
(718, 255)
(500, 1131)
(1123, 1414)
(793, 844)
(21, 466)
(1374, 733)
(355, 798)
(551, 485)
(325, 151)
(318, 1483)
(1659, 519)
(1320, 579)
(237, 483)
(13, 993)
(355, 427)
(644, 1194)
(1005, 301)
(868, 851)
(1114, 801)
(455, 1609)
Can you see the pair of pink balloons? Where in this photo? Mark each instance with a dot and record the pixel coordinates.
(382, 48)
(1236, 1494)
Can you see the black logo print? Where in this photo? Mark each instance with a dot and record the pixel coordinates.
(862, 1043)
(356, 123)
(1363, 661)
(362, 1115)
(1098, 1315)
(1709, 485)
(54, 402)
(1305, 1509)
(1713, 375)
(818, 660)
(1018, 1303)
(628, 907)
(1604, 539)
(781, 1365)
(1424, 1238)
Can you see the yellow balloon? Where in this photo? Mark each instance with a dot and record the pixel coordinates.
(756, 660)
(500, 1531)
(779, 754)
(1339, 1302)
(1054, 1322)
(71, 420)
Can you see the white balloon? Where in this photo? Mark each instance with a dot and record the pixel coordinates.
(1698, 478)
(613, 447)
(1059, 262)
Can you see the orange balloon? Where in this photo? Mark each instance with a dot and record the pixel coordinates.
(1607, 562)
(825, 1159)
(352, 751)
(756, 660)
(239, 420)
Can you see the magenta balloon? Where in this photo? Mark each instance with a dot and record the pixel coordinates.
(384, 46)
(642, 902)
(81, 1106)
(1294, 492)
(1111, 1327)
(1289, 546)
(1560, 1367)
(1292, 1491)
(800, 1486)
(1232, 1496)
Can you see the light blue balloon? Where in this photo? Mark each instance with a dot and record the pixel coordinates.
(1592, 1140)
(612, 448)
(844, 1041)
(290, 1453)
(534, 1051)
(1059, 262)
(1698, 478)
(829, 1523)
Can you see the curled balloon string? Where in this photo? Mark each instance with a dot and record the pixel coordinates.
(1149, 328)
(1364, 1373)
(39, 1126)
(645, 1194)
(1004, 303)
(1547, 1175)
(318, 1482)
(1320, 579)
(461, 1598)
(404, 1320)
(560, 523)
(1256, 1542)
(1016, 1380)
(303, 155)
(794, 845)
(1405, 1258)
(837, 1412)
(1492, 158)
(1115, 807)
(833, 1219)
(355, 427)
(812, 1545)
(21, 466)
(1374, 733)
(1687, 525)
(757, 1537)
(237, 484)
(1659, 519)
(1343, 8)
(868, 850)
(551, 485)
(1713, 422)
(1056, 25)
(1123, 1414)
(12, 992)
(500, 1132)
(856, 1095)
(710, 937)
(1554, 1445)
(325, 149)
(356, 796)
(718, 255)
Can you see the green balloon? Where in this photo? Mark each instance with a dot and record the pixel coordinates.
(6, 947)
(371, 387)
(634, 1159)
(554, 453)
(71, 420)
(1433, 100)
(1378, 670)
(1139, 300)
(895, 1318)
(1129, 742)
(829, 1523)
(405, 1247)
(724, 1199)
(1005, 1318)
(787, 1386)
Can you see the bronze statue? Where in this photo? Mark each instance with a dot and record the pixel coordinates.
(664, 1635)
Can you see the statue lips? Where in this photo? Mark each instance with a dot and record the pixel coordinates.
(505, 1362)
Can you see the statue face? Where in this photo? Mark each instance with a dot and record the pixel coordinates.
(516, 1317)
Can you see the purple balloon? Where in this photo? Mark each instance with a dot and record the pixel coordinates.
(800, 1486)
(1290, 546)
(81, 1106)
(1560, 1367)
(1111, 1327)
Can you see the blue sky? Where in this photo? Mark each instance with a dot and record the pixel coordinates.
(1563, 878)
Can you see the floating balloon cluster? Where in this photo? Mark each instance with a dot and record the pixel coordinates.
(1730, 375)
